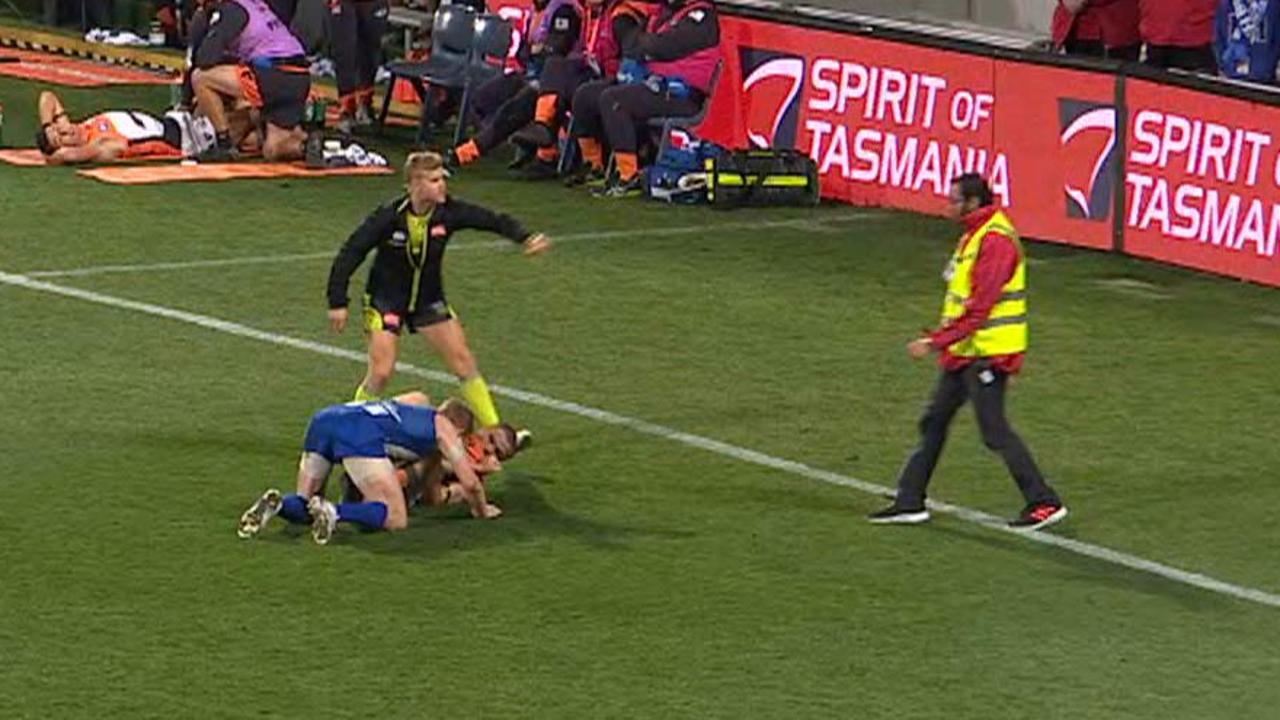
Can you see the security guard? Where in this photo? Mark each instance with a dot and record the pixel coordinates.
(405, 289)
(982, 341)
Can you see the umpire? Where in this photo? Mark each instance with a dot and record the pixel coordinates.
(982, 340)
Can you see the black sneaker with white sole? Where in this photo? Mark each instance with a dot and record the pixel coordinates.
(1039, 515)
(896, 515)
(524, 439)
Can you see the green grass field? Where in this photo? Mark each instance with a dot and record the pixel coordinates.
(633, 576)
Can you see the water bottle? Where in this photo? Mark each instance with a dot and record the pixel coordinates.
(175, 92)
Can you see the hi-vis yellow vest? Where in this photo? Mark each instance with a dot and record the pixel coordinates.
(1005, 331)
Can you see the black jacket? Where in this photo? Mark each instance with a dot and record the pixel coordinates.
(396, 267)
(698, 30)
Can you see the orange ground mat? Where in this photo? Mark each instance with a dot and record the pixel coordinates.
(151, 174)
(25, 157)
(73, 72)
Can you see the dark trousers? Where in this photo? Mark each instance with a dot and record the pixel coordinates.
(985, 387)
(624, 107)
(500, 107)
(356, 31)
(1095, 48)
(562, 76)
(1199, 58)
(608, 111)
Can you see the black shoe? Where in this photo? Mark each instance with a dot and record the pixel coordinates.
(523, 157)
(218, 154)
(585, 175)
(619, 189)
(1039, 515)
(895, 515)
(538, 170)
(533, 136)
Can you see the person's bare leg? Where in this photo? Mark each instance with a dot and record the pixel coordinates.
(384, 347)
(283, 144)
(213, 87)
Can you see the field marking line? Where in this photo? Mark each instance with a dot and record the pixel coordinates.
(717, 447)
(477, 245)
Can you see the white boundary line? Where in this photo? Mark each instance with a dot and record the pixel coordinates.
(977, 517)
(477, 245)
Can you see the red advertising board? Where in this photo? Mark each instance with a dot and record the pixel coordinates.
(887, 123)
(891, 124)
(1058, 129)
(1203, 181)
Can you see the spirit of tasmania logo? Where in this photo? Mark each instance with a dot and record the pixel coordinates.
(771, 84)
(1088, 137)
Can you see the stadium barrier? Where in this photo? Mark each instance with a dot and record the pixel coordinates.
(1175, 168)
(1179, 169)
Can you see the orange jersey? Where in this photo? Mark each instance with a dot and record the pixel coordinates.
(142, 134)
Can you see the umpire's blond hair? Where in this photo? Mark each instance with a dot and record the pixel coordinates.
(423, 161)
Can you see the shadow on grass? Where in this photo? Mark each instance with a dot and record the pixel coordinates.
(527, 515)
(1082, 569)
(228, 443)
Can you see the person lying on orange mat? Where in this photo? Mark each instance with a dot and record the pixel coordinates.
(116, 135)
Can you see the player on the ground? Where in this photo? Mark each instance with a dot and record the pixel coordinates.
(405, 286)
(126, 134)
(362, 437)
(430, 481)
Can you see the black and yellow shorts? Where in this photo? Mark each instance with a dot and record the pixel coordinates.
(394, 321)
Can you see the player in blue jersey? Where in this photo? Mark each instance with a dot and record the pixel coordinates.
(363, 437)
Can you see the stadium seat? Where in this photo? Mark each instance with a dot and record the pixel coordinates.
(489, 47)
(452, 32)
(664, 125)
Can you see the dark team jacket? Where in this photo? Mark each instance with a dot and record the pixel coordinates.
(396, 268)
(694, 32)
(564, 30)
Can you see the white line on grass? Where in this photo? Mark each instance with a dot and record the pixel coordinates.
(715, 446)
(479, 245)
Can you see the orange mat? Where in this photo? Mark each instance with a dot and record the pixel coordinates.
(151, 174)
(25, 157)
(73, 72)
(31, 157)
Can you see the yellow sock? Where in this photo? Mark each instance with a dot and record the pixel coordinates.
(476, 392)
(363, 395)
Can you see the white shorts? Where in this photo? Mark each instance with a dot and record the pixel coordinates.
(198, 134)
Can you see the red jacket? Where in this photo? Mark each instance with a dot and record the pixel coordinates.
(1180, 23)
(996, 263)
(1114, 22)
